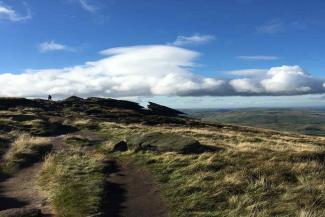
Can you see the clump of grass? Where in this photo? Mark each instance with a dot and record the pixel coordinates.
(73, 182)
(24, 151)
(77, 141)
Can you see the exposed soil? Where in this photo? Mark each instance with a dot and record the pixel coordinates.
(20, 191)
(131, 192)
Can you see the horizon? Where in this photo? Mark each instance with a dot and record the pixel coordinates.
(182, 54)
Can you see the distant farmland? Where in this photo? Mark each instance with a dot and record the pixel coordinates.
(305, 121)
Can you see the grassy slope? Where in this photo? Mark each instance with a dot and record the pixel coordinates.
(306, 121)
(260, 173)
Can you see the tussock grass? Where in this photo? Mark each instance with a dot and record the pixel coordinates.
(84, 123)
(74, 182)
(24, 151)
(77, 141)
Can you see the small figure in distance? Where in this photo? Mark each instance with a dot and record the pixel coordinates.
(49, 98)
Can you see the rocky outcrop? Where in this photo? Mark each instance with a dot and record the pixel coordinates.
(8, 102)
(113, 110)
(113, 103)
(162, 110)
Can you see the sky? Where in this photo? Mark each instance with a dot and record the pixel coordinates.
(181, 53)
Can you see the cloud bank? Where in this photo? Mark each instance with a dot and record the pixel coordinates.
(154, 70)
(7, 13)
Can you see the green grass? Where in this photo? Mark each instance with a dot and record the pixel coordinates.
(74, 183)
(77, 141)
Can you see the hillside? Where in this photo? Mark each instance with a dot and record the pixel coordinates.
(103, 157)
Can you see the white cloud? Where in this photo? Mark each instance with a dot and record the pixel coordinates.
(49, 46)
(153, 70)
(257, 58)
(195, 39)
(274, 26)
(246, 85)
(87, 6)
(289, 80)
(7, 13)
(277, 26)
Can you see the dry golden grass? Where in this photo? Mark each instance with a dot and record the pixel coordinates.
(25, 144)
(24, 151)
(261, 172)
(240, 138)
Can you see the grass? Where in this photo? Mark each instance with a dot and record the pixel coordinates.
(238, 184)
(77, 141)
(24, 151)
(74, 183)
(261, 173)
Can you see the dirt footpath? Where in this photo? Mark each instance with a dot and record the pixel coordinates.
(131, 192)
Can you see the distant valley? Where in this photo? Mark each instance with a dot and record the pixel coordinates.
(309, 121)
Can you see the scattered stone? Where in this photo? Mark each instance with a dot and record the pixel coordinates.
(166, 142)
(21, 212)
(120, 146)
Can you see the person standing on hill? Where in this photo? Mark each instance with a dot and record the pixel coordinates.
(49, 98)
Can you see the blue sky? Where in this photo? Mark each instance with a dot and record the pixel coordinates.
(213, 44)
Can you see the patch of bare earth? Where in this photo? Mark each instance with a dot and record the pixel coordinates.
(131, 192)
(20, 191)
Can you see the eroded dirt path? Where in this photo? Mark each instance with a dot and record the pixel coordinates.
(20, 191)
(131, 192)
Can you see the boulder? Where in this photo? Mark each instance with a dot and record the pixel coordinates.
(166, 142)
(119, 146)
(163, 110)
(21, 212)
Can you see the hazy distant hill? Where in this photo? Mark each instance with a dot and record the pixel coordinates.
(307, 120)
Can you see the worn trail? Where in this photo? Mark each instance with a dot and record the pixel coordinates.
(20, 191)
(131, 192)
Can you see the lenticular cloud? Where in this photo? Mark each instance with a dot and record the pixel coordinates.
(153, 70)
